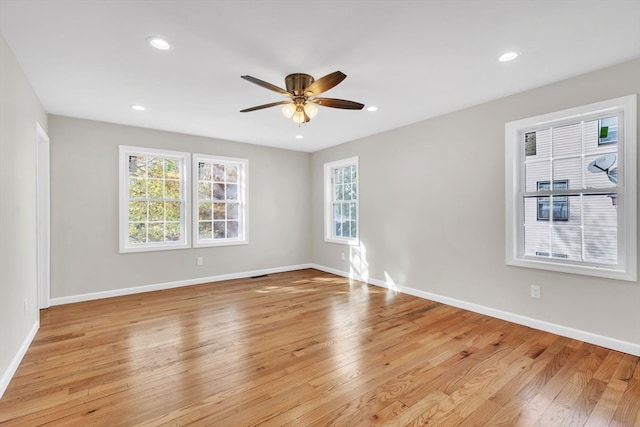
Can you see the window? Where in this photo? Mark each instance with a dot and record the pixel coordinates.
(341, 201)
(154, 199)
(220, 213)
(571, 190)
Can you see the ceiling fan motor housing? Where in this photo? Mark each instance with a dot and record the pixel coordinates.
(296, 83)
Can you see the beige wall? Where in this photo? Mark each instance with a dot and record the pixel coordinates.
(432, 213)
(20, 110)
(84, 211)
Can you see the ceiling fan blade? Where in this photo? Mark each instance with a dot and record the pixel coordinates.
(338, 103)
(267, 85)
(325, 83)
(260, 107)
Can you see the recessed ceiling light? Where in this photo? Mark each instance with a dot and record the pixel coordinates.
(509, 56)
(299, 137)
(138, 107)
(158, 43)
(372, 108)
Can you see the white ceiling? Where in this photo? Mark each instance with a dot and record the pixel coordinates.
(412, 59)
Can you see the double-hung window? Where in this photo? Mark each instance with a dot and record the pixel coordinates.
(220, 188)
(154, 201)
(341, 201)
(571, 190)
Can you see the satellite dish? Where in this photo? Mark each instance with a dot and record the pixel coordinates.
(602, 164)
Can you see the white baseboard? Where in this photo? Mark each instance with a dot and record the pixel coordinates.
(15, 362)
(603, 341)
(170, 285)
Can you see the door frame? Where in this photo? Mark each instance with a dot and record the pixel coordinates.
(43, 212)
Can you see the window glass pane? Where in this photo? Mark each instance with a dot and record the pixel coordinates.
(232, 173)
(137, 211)
(156, 188)
(567, 140)
(590, 135)
(608, 130)
(156, 211)
(339, 192)
(218, 191)
(537, 145)
(204, 191)
(156, 232)
(566, 242)
(173, 231)
(172, 189)
(601, 170)
(232, 229)
(353, 212)
(347, 192)
(155, 167)
(205, 210)
(172, 169)
(205, 230)
(232, 210)
(531, 210)
(219, 211)
(570, 171)
(172, 211)
(574, 208)
(218, 172)
(600, 245)
(536, 239)
(219, 230)
(600, 210)
(337, 219)
(137, 232)
(137, 188)
(232, 191)
(536, 172)
(204, 171)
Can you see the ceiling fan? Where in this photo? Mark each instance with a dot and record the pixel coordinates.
(302, 91)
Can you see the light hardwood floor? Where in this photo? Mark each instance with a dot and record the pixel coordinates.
(307, 348)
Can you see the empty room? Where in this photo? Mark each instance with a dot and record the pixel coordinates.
(319, 213)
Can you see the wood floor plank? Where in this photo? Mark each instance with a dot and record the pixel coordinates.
(307, 348)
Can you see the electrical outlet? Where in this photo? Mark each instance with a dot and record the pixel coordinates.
(535, 291)
(199, 260)
(26, 305)
(342, 256)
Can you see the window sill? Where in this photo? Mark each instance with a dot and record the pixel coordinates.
(585, 270)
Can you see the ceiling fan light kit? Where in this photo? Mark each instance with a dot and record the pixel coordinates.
(303, 90)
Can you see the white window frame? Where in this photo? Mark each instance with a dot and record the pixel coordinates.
(626, 268)
(185, 161)
(328, 201)
(243, 190)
